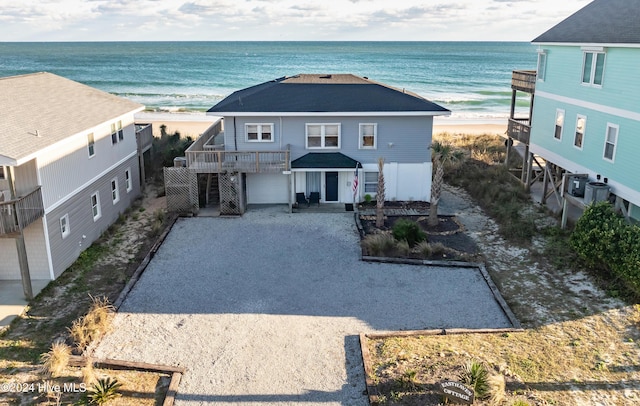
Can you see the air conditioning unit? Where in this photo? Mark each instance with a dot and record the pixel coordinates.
(180, 162)
(596, 192)
(577, 184)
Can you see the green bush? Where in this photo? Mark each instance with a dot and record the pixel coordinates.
(368, 198)
(475, 375)
(604, 240)
(409, 231)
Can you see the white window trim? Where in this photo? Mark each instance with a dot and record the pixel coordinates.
(555, 124)
(615, 144)
(592, 75)
(584, 131)
(542, 57)
(322, 135)
(259, 126)
(115, 193)
(114, 134)
(365, 183)
(361, 136)
(90, 144)
(65, 229)
(120, 131)
(127, 180)
(98, 213)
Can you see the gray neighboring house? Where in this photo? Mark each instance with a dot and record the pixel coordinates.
(312, 133)
(69, 165)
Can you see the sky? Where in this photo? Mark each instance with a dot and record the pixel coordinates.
(280, 20)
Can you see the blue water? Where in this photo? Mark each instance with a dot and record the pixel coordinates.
(470, 78)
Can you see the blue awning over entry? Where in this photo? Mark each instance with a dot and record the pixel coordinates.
(325, 160)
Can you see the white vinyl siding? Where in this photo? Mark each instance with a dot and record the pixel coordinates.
(259, 132)
(368, 136)
(557, 134)
(611, 139)
(581, 123)
(593, 68)
(115, 193)
(64, 226)
(96, 211)
(127, 180)
(323, 136)
(371, 183)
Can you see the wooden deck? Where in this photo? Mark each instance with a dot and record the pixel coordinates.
(17, 214)
(523, 80)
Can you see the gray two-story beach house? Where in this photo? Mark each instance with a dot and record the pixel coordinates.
(313, 134)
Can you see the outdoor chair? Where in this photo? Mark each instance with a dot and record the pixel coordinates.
(314, 197)
(300, 199)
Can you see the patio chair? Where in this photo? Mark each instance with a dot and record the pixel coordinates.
(314, 197)
(300, 199)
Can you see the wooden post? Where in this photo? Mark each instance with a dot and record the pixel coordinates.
(525, 163)
(513, 103)
(527, 185)
(24, 267)
(565, 207)
(257, 162)
(545, 183)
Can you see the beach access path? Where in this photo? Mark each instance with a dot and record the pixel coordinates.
(267, 308)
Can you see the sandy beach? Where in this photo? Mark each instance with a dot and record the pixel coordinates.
(194, 124)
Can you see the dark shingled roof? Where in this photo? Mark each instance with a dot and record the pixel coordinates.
(323, 93)
(599, 22)
(325, 160)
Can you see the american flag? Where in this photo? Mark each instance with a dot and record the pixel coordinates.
(355, 183)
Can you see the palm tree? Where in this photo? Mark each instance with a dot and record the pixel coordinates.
(441, 154)
(380, 194)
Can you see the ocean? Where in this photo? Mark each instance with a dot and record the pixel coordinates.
(472, 79)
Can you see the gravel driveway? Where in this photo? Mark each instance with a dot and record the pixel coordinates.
(266, 309)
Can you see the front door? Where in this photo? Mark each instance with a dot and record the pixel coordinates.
(331, 186)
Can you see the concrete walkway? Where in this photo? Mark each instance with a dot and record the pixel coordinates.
(267, 308)
(12, 300)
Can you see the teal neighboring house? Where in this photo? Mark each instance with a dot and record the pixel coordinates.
(586, 117)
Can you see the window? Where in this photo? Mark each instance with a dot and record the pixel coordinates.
(581, 122)
(120, 131)
(611, 139)
(91, 145)
(115, 194)
(114, 134)
(559, 124)
(127, 180)
(64, 225)
(542, 66)
(370, 182)
(2, 177)
(323, 136)
(368, 136)
(593, 68)
(95, 206)
(259, 132)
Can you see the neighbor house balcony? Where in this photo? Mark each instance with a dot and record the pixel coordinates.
(519, 129)
(17, 214)
(523, 80)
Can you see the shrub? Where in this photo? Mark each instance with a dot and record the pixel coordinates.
(94, 324)
(476, 376)
(438, 249)
(603, 239)
(379, 244)
(368, 198)
(520, 403)
(103, 391)
(497, 392)
(409, 231)
(402, 248)
(424, 249)
(56, 360)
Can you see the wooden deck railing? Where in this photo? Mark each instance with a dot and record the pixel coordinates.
(523, 80)
(519, 129)
(144, 137)
(238, 161)
(17, 214)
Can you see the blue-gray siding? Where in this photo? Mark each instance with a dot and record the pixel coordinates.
(402, 139)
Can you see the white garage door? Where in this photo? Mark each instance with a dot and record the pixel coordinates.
(267, 188)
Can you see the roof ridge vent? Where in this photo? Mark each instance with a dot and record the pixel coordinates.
(325, 76)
